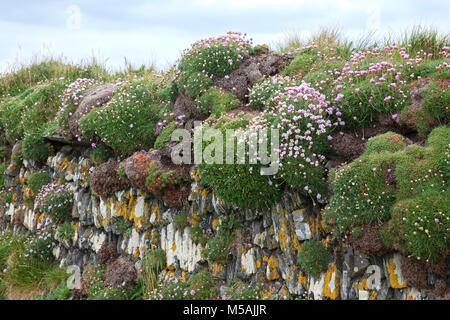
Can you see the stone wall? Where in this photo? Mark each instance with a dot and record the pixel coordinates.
(264, 250)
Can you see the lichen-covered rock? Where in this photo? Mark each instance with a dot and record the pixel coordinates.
(157, 163)
(180, 248)
(251, 70)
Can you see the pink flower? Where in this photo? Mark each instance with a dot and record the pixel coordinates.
(394, 116)
(339, 97)
(387, 98)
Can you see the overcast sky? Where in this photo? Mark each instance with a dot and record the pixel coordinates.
(156, 31)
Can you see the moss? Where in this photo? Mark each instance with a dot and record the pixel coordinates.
(389, 141)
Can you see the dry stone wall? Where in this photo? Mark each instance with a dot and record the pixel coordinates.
(264, 250)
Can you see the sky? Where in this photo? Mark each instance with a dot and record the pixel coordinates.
(157, 31)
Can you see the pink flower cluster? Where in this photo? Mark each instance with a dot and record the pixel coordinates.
(73, 93)
(49, 190)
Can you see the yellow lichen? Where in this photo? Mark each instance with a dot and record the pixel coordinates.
(301, 279)
(332, 282)
(272, 264)
(393, 276)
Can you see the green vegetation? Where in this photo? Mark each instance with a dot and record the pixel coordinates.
(2, 178)
(29, 112)
(389, 142)
(403, 190)
(37, 180)
(152, 264)
(313, 258)
(24, 270)
(127, 122)
(302, 63)
(18, 81)
(197, 235)
(56, 201)
(181, 221)
(255, 190)
(100, 155)
(218, 248)
(165, 135)
(217, 101)
(66, 231)
(265, 90)
(35, 148)
(330, 85)
(210, 57)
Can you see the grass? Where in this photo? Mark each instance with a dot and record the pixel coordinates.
(24, 278)
(417, 38)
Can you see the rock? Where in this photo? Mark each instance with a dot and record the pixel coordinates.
(317, 286)
(392, 265)
(272, 269)
(93, 98)
(136, 169)
(248, 262)
(223, 292)
(180, 247)
(302, 229)
(184, 106)
(17, 148)
(252, 69)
